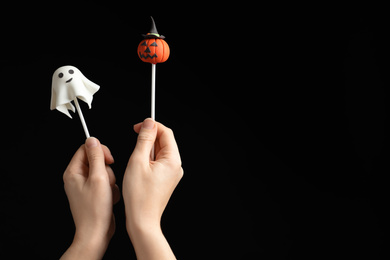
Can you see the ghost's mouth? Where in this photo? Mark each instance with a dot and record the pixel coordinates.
(69, 80)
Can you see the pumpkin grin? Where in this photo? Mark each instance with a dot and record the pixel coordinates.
(147, 55)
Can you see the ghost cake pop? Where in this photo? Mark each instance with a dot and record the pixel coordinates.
(153, 49)
(68, 83)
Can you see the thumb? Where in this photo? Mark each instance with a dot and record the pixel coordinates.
(95, 155)
(146, 139)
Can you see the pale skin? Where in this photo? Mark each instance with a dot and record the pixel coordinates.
(147, 187)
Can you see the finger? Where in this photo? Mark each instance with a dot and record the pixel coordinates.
(166, 146)
(162, 131)
(137, 127)
(115, 189)
(145, 140)
(108, 158)
(95, 156)
(78, 163)
(111, 175)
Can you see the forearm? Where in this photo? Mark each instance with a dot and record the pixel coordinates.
(149, 243)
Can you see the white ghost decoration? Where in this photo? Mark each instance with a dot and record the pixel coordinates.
(69, 83)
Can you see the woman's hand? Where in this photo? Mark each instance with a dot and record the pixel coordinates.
(92, 192)
(148, 186)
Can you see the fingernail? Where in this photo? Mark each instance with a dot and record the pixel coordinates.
(91, 142)
(148, 123)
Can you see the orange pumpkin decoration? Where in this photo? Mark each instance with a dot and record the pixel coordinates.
(153, 50)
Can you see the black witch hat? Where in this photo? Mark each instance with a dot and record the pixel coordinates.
(153, 34)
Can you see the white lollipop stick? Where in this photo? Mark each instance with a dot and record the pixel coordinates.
(81, 117)
(153, 106)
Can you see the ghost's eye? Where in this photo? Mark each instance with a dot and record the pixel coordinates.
(71, 71)
(61, 75)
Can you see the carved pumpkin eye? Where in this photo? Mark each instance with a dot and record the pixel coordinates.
(154, 44)
(144, 43)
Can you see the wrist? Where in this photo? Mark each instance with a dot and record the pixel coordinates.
(85, 251)
(149, 241)
(143, 227)
(139, 222)
(89, 247)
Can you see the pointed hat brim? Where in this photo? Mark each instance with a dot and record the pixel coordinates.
(153, 36)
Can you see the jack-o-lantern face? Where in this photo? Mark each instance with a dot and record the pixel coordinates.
(153, 50)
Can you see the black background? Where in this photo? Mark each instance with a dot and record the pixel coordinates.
(280, 113)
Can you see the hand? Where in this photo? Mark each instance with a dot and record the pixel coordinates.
(148, 186)
(92, 192)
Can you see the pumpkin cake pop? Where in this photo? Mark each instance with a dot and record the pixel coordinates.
(153, 49)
